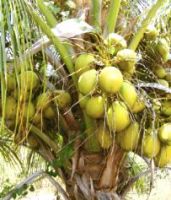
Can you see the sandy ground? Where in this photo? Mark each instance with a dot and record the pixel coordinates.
(161, 191)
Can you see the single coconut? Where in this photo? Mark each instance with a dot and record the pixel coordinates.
(83, 63)
(118, 116)
(87, 81)
(128, 93)
(104, 137)
(110, 79)
(95, 107)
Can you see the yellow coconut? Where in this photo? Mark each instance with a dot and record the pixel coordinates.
(28, 80)
(83, 100)
(118, 116)
(83, 63)
(164, 156)
(166, 108)
(163, 48)
(104, 137)
(128, 93)
(49, 112)
(165, 133)
(43, 100)
(127, 59)
(10, 108)
(63, 99)
(150, 144)
(95, 107)
(138, 106)
(110, 79)
(129, 137)
(29, 110)
(87, 81)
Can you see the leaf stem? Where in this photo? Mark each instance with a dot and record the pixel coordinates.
(96, 13)
(112, 15)
(151, 14)
(55, 40)
(51, 20)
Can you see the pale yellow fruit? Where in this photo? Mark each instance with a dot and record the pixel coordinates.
(151, 145)
(115, 42)
(110, 79)
(104, 137)
(28, 80)
(49, 112)
(151, 33)
(163, 48)
(29, 110)
(164, 156)
(129, 137)
(127, 59)
(11, 82)
(165, 133)
(83, 100)
(63, 99)
(83, 63)
(118, 116)
(163, 82)
(159, 71)
(38, 118)
(10, 108)
(166, 108)
(95, 107)
(43, 100)
(128, 93)
(87, 81)
(138, 106)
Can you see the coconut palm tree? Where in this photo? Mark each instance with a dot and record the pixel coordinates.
(85, 91)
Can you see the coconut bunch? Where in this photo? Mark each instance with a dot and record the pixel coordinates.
(109, 95)
(28, 104)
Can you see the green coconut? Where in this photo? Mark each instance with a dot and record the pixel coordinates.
(83, 100)
(95, 107)
(10, 108)
(63, 100)
(43, 100)
(49, 112)
(11, 82)
(87, 82)
(83, 63)
(128, 93)
(110, 79)
(29, 110)
(118, 116)
(28, 80)
(162, 47)
(159, 71)
(166, 108)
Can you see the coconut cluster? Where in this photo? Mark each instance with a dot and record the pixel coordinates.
(27, 103)
(108, 95)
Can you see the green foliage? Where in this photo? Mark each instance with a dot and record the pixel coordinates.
(63, 156)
